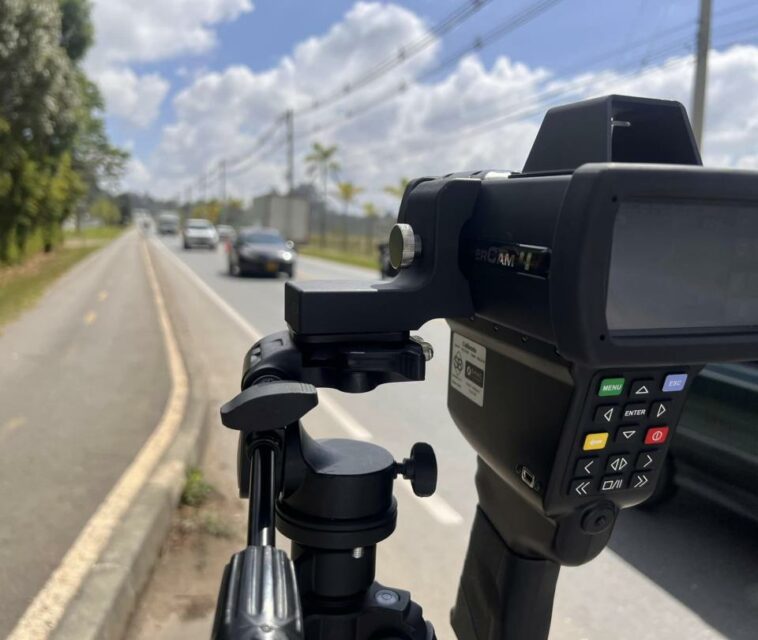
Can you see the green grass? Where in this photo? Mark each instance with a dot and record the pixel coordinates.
(370, 261)
(21, 286)
(196, 489)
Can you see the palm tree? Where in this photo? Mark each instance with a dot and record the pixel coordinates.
(320, 161)
(347, 192)
(398, 189)
(370, 212)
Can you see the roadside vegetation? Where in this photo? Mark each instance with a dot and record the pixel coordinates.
(352, 256)
(57, 163)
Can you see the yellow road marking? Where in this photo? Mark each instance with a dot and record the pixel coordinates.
(90, 317)
(102, 296)
(49, 605)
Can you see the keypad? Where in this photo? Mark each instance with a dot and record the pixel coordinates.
(626, 426)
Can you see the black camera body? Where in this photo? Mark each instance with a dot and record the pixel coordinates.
(584, 294)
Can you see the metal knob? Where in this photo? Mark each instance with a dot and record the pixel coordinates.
(420, 469)
(404, 246)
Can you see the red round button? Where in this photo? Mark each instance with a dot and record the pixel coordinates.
(656, 435)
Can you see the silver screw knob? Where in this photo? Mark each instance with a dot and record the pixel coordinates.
(404, 246)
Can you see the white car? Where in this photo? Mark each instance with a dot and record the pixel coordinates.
(199, 232)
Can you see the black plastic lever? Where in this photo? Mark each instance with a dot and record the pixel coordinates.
(269, 406)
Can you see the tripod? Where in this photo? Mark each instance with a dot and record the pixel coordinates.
(333, 499)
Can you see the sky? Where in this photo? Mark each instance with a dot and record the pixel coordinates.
(191, 83)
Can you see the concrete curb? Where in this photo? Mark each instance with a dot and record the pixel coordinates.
(103, 606)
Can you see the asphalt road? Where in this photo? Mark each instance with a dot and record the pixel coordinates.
(687, 571)
(83, 382)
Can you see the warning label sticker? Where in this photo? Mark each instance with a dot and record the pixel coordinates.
(467, 368)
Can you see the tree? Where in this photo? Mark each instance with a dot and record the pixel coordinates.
(38, 108)
(347, 192)
(370, 212)
(106, 211)
(398, 189)
(77, 31)
(52, 136)
(321, 161)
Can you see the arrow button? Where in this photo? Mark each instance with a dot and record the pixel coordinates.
(647, 460)
(627, 434)
(640, 480)
(606, 414)
(659, 409)
(640, 388)
(618, 463)
(586, 467)
(580, 487)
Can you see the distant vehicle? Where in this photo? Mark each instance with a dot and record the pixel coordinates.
(385, 267)
(168, 223)
(225, 232)
(715, 451)
(199, 232)
(261, 250)
(289, 214)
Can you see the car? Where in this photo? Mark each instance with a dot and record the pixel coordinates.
(715, 451)
(199, 232)
(225, 232)
(168, 223)
(261, 250)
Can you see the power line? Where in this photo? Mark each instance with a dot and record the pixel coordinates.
(512, 23)
(404, 53)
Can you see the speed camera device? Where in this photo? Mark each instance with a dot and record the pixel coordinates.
(584, 293)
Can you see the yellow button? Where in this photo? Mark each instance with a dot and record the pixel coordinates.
(595, 441)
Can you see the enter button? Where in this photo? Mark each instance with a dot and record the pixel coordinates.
(656, 435)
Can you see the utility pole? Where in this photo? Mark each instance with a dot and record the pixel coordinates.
(222, 188)
(289, 119)
(701, 71)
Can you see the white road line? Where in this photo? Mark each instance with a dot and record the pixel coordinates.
(437, 507)
(49, 605)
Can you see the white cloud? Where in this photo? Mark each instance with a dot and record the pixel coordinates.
(129, 31)
(433, 127)
(148, 30)
(135, 98)
(137, 177)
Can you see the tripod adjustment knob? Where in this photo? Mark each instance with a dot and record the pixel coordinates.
(420, 469)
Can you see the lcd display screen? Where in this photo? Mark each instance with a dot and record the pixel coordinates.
(683, 266)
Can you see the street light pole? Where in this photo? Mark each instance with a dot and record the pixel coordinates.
(701, 71)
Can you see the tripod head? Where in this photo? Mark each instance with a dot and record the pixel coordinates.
(584, 293)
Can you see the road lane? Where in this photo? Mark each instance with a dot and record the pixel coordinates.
(83, 383)
(640, 592)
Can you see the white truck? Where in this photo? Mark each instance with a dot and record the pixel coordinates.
(289, 214)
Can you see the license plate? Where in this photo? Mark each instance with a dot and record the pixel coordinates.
(271, 266)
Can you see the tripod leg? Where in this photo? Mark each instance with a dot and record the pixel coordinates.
(260, 522)
(502, 595)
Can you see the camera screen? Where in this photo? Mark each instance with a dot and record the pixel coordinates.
(677, 265)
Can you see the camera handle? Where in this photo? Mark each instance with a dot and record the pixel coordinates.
(333, 499)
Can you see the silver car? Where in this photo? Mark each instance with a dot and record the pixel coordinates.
(199, 232)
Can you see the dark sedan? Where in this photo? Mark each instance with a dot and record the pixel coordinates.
(262, 251)
(715, 451)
